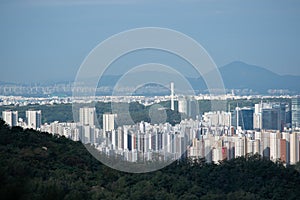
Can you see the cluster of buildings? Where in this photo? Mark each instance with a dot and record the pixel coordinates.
(211, 137)
(25, 101)
(269, 129)
(267, 116)
(32, 121)
(273, 145)
(134, 143)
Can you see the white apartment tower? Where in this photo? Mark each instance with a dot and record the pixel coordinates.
(189, 106)
(257, 117)
(240, 146)
(87, 116)
(33, 119)
(108, 122)
(182, 105)
(10, 117)
(294, 148)
(274, 146)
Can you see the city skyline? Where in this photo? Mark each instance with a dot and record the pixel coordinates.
(214, 136)
(174, 130)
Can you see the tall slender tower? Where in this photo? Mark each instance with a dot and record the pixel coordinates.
(237, 116)
(172, 95)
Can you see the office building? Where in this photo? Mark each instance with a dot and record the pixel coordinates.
(10, 117)
(272, 116)
(270, 119)
(296, 112)
(243, 117)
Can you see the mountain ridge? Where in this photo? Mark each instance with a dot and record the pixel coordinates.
(240, 75)
(236, 75)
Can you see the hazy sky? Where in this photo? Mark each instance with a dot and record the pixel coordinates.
(48, 40)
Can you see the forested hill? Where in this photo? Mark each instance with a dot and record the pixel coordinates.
(36, 165)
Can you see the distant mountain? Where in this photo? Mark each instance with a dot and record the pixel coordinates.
(239, 75)
(252, 79)
(242, 77)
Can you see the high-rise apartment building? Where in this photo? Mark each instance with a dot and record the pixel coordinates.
(274, 146)
(283, 151)
(265, 144)
(257, 116)
(182, 105)
(285, 147)
(108, 122)
(294, 147)
(240, 148)
(87, 116)
(217, 118)
(188, 106)
(10, 117)
(33, 119)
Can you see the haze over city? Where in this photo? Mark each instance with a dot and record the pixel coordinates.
(48, 40)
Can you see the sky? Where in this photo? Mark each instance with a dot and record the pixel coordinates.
(44, 40)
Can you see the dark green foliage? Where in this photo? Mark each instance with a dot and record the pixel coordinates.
(65, 170)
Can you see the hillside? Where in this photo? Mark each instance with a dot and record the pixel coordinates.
(36, 165)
